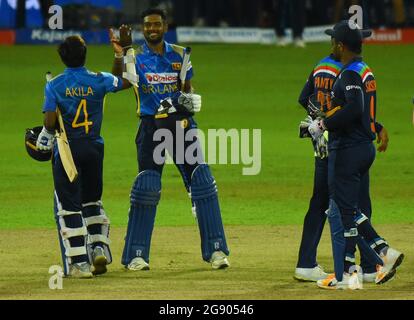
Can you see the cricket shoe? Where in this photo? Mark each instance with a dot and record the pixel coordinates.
(99, 261)
(219, 260)
(310, 274)
(349, 282)
(299, 43)
(80, 270)
(392, 259)
(138, 264)
(370, 277)
(282, 42)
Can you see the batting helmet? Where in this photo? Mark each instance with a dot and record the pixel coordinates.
(30, 143)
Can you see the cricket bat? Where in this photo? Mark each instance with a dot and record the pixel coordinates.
(63, 145)
(184, 67)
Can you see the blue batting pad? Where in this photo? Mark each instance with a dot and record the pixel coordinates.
(337, 237)
(204, 196)
(145, 195)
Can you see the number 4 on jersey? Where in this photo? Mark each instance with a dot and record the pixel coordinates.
(85, 123)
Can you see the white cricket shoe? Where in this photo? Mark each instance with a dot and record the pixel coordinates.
(310, 274)
(219, 260)
(369, 277)
(80, 270)
(392, 259)
(349, 282)
(282, 42)
(299, 43)
(138, 264)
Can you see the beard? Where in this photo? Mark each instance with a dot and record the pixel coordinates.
(155, 40)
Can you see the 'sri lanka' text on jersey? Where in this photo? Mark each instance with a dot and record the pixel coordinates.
(158, 76)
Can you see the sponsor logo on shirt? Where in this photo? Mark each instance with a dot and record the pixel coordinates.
(156, 78)
(352, 87)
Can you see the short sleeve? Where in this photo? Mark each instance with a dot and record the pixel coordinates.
(50, 103)
(111, 83)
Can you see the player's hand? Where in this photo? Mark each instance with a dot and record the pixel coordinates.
(116, 45)
(190, 101)
(322, 146)
(125, 37)
(304, 126)
(45, 140)
(316, 128)
(382, 140)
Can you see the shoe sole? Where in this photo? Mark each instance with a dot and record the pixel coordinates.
(328, 288)
(303, 279)
(144, 268)
(398, 262)
(222, 266)
(393, 270)
(338, 288)
(81, 276)
(99, 265)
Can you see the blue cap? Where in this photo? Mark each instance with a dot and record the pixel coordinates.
(348, 32)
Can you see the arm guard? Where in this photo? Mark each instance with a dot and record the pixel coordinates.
(130, 73)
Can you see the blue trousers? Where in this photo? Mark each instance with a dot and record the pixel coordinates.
(315, 217)
(145, 144)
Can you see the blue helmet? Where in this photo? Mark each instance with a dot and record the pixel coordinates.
(30, 143)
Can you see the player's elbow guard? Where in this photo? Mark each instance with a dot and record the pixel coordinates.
(131, 72)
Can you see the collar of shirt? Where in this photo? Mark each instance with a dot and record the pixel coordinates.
(148, 51)
(77, 69)
(355, 59)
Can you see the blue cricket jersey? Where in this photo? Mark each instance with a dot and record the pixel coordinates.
(320, 83)
(353, 120)
(79, 94)
(158, 76)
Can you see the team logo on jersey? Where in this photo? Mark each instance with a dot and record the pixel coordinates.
(184, 123)
(115, 83)
(176, 66)
(370, 86)
(157, 78)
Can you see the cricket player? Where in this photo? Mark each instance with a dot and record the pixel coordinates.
(81, 220)
(319, 86)
(165, 102)
(351, 126)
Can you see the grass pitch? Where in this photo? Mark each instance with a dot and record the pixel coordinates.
(262, 263)
(243, 86)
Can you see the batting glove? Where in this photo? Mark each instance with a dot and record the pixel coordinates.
(190, 101)
(45, 140)
(316, 128)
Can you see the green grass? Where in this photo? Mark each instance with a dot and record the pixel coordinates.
(262, 265)
(243, 86)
